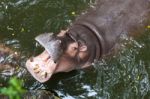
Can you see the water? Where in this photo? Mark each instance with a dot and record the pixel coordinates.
(122, 75)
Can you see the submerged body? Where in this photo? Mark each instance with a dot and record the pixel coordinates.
(90, 37)
(10, 63)
(8, 58)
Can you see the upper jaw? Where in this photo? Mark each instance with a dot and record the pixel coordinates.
(51, 44)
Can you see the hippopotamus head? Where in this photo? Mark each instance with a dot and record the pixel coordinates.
(91, 36)
(63, 52)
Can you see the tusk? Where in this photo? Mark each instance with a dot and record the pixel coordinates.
(37, 70)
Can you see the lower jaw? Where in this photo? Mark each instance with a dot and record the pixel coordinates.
(39, 70)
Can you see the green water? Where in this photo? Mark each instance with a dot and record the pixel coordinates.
(125, 75)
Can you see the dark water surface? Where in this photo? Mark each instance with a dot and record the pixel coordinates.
(124, 75)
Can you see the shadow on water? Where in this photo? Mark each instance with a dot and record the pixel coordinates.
(123, 75)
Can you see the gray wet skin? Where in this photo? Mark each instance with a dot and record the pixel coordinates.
(51, 44)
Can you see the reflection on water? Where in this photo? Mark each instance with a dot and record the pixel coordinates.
(123, 75)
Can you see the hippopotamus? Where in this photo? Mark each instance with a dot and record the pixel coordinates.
(90, 37)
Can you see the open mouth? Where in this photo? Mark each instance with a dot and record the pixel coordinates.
(41, 67)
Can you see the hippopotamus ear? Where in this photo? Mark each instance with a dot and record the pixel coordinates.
(83, 47)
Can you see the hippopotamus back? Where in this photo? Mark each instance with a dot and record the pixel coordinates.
(110, 18)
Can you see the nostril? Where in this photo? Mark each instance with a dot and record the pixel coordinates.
(31, 59)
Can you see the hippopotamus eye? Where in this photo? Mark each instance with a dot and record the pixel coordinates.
(74, 48)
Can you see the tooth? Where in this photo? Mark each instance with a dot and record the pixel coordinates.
(44, 74)
(37, 70)
(36, 67)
